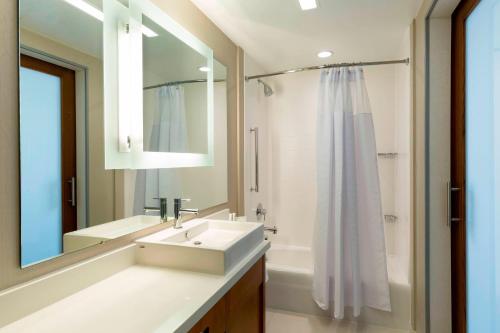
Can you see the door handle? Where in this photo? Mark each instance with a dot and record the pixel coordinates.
(449, 190)
(72, 199)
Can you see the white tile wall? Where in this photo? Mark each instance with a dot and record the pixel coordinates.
(256, 112)
(402, 172)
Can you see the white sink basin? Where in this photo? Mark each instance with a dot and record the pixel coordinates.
(208, 246)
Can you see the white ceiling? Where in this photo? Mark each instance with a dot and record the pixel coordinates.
(279, 35)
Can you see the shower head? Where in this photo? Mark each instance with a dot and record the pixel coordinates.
(268, 91)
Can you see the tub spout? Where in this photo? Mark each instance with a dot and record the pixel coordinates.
(274, 230)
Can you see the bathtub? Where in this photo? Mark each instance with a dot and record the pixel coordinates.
(290, 270)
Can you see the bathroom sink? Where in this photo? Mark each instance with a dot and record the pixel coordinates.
(208, 246)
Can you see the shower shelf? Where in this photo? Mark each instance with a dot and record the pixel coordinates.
(388, 155)
(390, 218)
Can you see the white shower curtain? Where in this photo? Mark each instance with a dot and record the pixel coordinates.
(168, 134)
(349, 248)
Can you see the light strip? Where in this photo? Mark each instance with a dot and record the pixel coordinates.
(97, 14)
(308, 4)
(148, 32)
(87, 8)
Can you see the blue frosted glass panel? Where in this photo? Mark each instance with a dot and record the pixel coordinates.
(40, 140)
(483, 167)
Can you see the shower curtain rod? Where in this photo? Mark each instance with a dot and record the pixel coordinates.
(344, 64)
(174, 83)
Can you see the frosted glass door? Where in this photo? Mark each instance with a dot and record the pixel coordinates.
(41, 183)
(482, 109)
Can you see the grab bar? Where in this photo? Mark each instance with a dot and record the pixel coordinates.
(255, 130)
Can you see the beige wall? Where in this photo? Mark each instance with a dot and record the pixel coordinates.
(185, 13)
(439, 239)
(419, 165)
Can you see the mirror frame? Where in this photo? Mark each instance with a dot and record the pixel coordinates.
(123, 85)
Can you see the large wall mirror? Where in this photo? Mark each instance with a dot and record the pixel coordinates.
(69, 200)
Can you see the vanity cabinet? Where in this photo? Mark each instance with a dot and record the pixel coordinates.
(242, 308)
(214, 321)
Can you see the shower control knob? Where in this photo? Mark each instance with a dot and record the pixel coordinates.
(260, 212)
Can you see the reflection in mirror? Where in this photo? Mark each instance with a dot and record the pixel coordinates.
(174, 94)
(205, 186)
(67, 197)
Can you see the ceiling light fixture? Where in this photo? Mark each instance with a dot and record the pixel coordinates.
(308, 4)
(204, 69)
(325, 54)
(97, 14)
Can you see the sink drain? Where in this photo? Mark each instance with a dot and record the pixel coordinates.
(197, 243)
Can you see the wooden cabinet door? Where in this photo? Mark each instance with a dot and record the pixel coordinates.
(214, 321)
(241, 310)
(245, 308)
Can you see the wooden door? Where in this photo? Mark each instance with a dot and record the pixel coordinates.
(475, 110)
(68, 136)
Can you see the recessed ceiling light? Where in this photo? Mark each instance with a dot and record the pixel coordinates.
(204, 69)
(308, 4)
(325, 54)
(87, 8)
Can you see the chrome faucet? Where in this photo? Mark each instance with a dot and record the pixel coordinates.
(162, 210)
(179, 211)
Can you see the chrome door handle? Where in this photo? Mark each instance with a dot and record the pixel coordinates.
(449, 190)
(72, 183)
(255, 130)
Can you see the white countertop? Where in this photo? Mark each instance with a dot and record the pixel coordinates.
(137, 299)
(118, 228)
